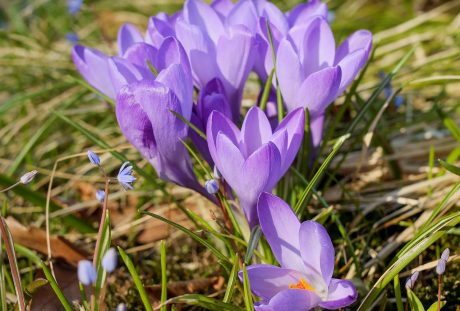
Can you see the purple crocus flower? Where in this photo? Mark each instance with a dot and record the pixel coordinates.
(301, 13)
(108, 74)
(312, 72)
(306, 256)
(216, 50)
(254, 159)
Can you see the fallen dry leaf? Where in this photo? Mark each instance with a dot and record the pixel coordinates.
(35, 238)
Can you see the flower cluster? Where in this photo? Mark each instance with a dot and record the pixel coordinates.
(184, 79)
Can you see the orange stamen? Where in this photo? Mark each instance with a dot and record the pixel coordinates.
(302, 285)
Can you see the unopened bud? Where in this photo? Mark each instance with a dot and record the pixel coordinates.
(410, 283)
(28, 177)
(94, 158)
(212, 186)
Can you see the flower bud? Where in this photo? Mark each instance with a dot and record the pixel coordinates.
(109, 261)
(94, 158)
(441, 267)
(212, 186)
(445, 254)
(410, 283)
(28, 177)
(121, 307)
(86, 272)
(100, 195)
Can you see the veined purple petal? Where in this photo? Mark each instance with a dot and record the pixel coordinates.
(359, 40)
(319, 89)
(317, 252)
(228, 159)
(171, 52)
(342, 293)
(316, 130)
(198, 13)
(222, 7)
(351, 65)
(267, 280)
(291, 300)
(128, 34)
(158, 29)
(281, 229)
(123, 72)
(93, 66)
(141, 53)
(244, 13)
(274, 15)
(302, 12)
(255, 131)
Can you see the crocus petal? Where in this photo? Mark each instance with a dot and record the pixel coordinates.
(93, 66)
(318, 47)
(255, 131)
(316, 129)
(222, 7)
(235, 59)
(230, 160)
(198, 13)
(171, 52)
(127, 36)
(140, 54)
(293, 124)
(123, 72)
(317, 252)
(359, 40)
(351, 65)
(244, 13)
(319, 90)
(342, 293)
(176, 79)
(281, 229)
(289, 73)
(158, 29)
(302, 12)
(292, 300)
(218, 122)
(255, 177)
(275, 16)
(267, 280)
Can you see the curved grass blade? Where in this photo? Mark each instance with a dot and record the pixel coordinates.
(451, 168)
(137, 280)
(164, 280)
(253, 241)
(247, 291)
(204, 302)
(232, 280)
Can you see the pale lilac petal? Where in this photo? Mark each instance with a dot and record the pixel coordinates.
(255, 132)
(218, 122)
(140, 54)
(359, 40)
(293, 124)
(267, 280)
(128, 34)
(222, 7)
(212, 97)
(319, 90)
(263, 64)
(291, 300)
(304, 11)
(256, 177)
(197, 12)
(123, 72)
(158, 29)
(281, 229)
(235, 59)
(289, 72)
(316, 130)
(171, 52)
(318, 47)
(351, 65)
(317, 252)
(93, 66)
(230, 160)
(176, 79)
(342, 293)
(275, 16)
(135, 125)
(244, 13)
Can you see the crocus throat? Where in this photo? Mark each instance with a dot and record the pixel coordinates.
(302, 284)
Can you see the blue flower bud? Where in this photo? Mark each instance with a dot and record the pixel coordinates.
(121, 307)
(109, 261)
(100, 195)
(410, 283)
(212, 186)
(73, 6)
(28, 177)
(86, 272)
(441, 267)
(445, 254)
(94, 158)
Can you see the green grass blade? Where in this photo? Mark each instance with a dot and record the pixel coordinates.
(267, 88)
(222, 258)
(164, 280)
(434, 306)
(232, 280)
(205, 302)
(137, 280)
(397, 289)
(190, 124)
(247, 291)
(435, 232)
(306, 193)
(414, 301)
(451, 168)
(253, 241)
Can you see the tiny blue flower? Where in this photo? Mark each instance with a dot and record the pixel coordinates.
(94, 158)
(410, 283)
(100, 195)
(86, 272)
(72, 37)
(441, 267)
(445, 254)
(109, 261)
(125, 177)
(398, 101)
(74, 6)
(212, 186)
(121, 307)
